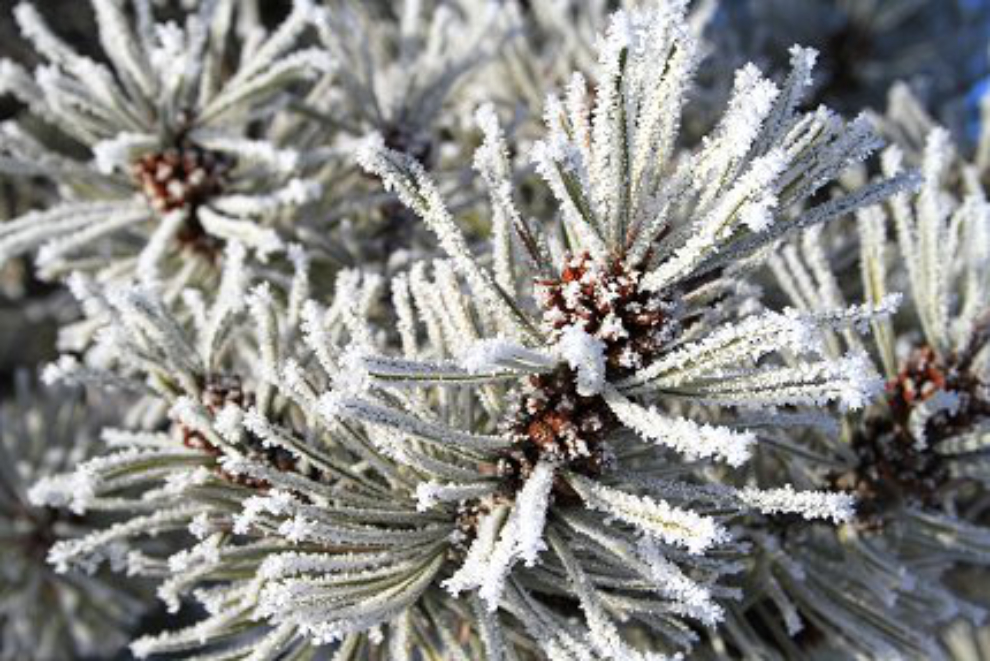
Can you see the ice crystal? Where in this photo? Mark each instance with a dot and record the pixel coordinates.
(176, 154)
(382, 399)
(642, 313)
(912, 456)
(44, 613)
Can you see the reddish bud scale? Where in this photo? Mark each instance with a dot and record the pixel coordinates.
(183, 177)
(220, 391)
(552, 420)
(555, 422)
(893, 467)
(608, 303)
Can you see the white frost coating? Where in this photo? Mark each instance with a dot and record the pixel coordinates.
(334, 406)
(691, 439)
(300, 191)
(137, 98)
(656, 518)
(74, 490)
(586, 355)
(837, 507)
(750, 202)
(282, 160)
(487, 120)
(429, 494)
(757, 214)
(117, 152)
(201, 527)
(602, 632)
(108, 544)
(554, 158)
(491, 580)
(862, 383)
(850, 381)
(495, 354)
(531, 507)
(158, 245)
(855, 316)
(353, 376)
(298, 529)
(751, 101)
(295, 193)
(277, 503)
(178, 482)
(489, 561)
(697, 601)
(63, 370)
(187, 559)
(491, 160)
(228, 422)
(394, 419)
(731, 345)
(475, 566)
(170, 56)
(256, 423)
(405, 177)
(186, 411)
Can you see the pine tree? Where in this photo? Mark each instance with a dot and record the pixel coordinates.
(379, 366)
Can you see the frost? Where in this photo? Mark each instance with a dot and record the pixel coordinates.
(838, 507)
(228, 421)
(586, 356)
(73, 490)
(696, 599)
(657, 519)
(532, 512)
(693, 440)
(436, 413)
(491, 355)
(429, 494)
(116, 153)
(489, 559)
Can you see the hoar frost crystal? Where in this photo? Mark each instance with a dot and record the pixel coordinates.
(569, 424)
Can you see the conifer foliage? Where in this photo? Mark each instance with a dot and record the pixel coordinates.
(371, 363)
